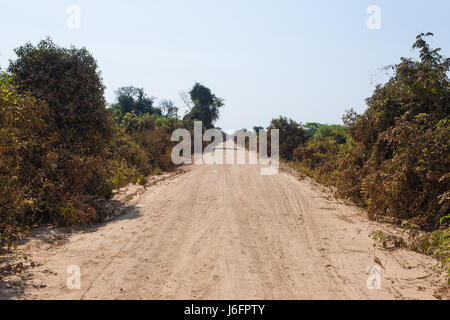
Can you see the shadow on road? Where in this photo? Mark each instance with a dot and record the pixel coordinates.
(16, 269)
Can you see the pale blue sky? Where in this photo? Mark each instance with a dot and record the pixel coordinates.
(308, 60)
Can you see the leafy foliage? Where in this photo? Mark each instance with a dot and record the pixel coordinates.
(292, 135)
(168, 109)
(69, 81)
(205, 106)
(131, 99)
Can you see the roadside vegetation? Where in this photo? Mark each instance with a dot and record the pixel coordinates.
(393, 159)
(63, 149)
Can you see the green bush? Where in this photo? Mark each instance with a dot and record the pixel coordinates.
(317, 156)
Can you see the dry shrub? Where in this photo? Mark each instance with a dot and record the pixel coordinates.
(403, 142)
(291, 136)
(413, 184)
(53, 140)
(158, 146)
(24, 142)
(395, 159)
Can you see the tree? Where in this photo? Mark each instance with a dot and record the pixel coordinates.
(205, 106)
(318, 130)
(69, 81)
(257, 129)
(311, 128)
(168, 108)
(292, 135)
(131, 99)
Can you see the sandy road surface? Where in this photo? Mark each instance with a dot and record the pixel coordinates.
(224, 232)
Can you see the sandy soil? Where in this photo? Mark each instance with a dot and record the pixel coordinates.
(222, 232)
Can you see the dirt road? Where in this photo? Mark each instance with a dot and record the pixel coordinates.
(224, 232)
